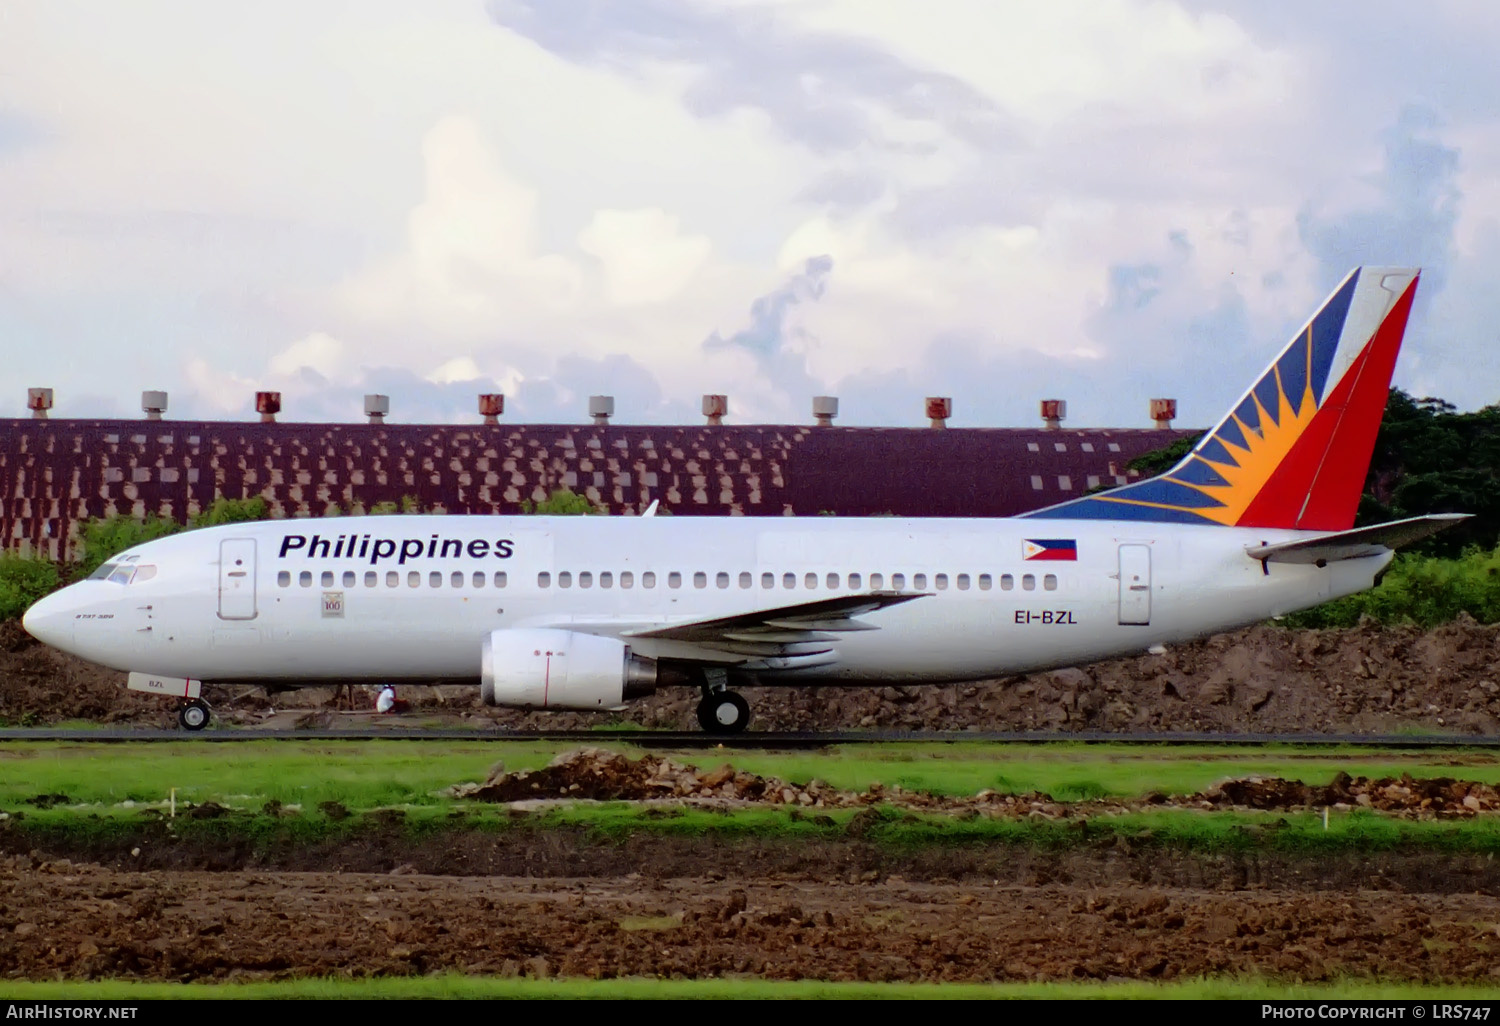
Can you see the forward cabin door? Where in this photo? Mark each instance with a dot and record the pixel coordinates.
(237, 579)
(1135, 584)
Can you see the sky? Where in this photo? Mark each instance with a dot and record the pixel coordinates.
(1103, 201)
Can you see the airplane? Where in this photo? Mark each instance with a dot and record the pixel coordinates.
(588, 613)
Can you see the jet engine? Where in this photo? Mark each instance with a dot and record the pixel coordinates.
(545, 668)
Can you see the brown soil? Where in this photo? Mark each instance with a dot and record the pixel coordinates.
(546, 901)
(1262, 679)
(699, 909)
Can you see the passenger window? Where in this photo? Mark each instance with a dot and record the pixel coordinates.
(919, 581)
(414, 579)
(544, 580)
(627, 579)
(435, 579)
(392, 579)
(674, 579)
(371, 578)
(833, 582)
(648, 579)
(854, 581)
(811, 581)
(1049, 582)
(565, 578)
(1028, 583)
(768, 580)
(985, 582)
(305, 578)
(606, 579)
(327, 578)
(458, 579)
(350, 578)
(284, 579)
(877, 582)
(721, 579)
(898, 581)
(746, 579)
(585, 579)
(963, 582)
(501, 580)
(788, 581)
(700, 579)
(478, 579)
(941, 580)
(1007, 582)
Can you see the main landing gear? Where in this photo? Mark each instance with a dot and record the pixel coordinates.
(193, 715)
(721, 711)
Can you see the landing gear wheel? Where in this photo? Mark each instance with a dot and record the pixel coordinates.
(723, 712)
(193, 715)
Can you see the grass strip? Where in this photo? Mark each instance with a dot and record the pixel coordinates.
(481, 987)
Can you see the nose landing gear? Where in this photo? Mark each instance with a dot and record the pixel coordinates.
(193, 715)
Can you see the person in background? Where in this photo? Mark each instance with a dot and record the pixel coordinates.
(387, 702)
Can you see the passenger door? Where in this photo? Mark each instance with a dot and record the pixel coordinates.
(237, 579)
(1135, 584)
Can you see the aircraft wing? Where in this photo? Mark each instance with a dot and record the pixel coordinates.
(781, 636)
(1355, 543)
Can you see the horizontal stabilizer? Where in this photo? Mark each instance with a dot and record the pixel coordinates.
(1356, 543)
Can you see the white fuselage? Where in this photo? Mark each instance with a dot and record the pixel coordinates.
(413, 597)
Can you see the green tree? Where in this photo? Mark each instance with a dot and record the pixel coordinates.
(1159, 461)
(23, 580)
(103, 537)
(562, 502)
(232, 511)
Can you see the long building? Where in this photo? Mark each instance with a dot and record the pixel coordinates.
(56, 474)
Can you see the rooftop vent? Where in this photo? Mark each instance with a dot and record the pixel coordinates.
(153, 404)
(39, 401)
(939, 409)
(715, 407)
(825, 408)
(376, 407)
(601, 408)
(1054, 411)
(491, 406)
(268, 404)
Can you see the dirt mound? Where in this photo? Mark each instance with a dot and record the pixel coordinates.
(1440, 796)
(599, 775)
(1360, 680)
(593, 773)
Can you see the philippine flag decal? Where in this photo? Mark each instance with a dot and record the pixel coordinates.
(1061, 549)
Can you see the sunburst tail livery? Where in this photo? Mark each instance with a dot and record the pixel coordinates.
(592, 612)
(1293, 451)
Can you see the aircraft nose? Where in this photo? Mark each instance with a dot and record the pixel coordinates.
(50, 621)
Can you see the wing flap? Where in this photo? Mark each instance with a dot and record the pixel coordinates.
(1356, 543)
(804, 618)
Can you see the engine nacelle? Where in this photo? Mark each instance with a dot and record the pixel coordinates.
(544, 668)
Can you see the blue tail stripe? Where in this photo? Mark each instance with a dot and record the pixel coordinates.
(1196, 472)
(1214, 449)
(1327, 327)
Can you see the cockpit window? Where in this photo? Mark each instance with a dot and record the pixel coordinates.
(121, 573)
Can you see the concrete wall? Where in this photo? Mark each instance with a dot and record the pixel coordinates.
(55, 474)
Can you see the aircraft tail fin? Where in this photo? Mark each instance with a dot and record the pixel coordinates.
(1294, 450)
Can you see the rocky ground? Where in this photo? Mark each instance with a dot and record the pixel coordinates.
(1262, 679)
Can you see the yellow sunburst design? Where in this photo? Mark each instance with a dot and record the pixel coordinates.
(1257, 462)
